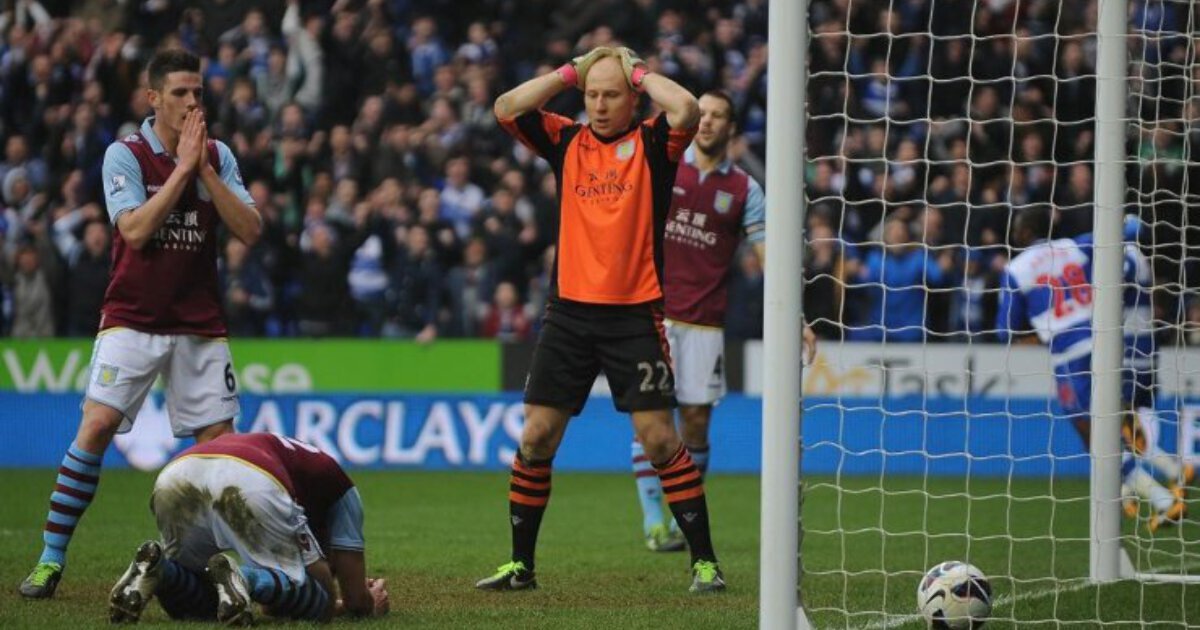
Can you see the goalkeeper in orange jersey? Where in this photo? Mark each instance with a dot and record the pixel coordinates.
(615, 176)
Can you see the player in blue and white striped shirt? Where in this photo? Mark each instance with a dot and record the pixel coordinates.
(1047, 290)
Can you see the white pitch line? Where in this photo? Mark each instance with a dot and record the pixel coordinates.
(1004, 600)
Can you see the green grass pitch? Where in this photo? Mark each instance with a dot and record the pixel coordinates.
(433, 534)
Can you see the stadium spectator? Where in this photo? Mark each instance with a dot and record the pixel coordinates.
(461, 199)
(276, 84)
(1191, 327)
(83, 148)
(545, 210)
(506, 234)
(87, 278)
(251, 40)
(480, 48)
(246, 293)
(895, 276)
(323, 303)
(412, 89)
(342, 57)
(746, 291)
(505, 319)
(468, 288)
(442, 233)
(824, 279)
(1073, 208)
(17, 155)
(416, 290)
(68, 213)
(33, 302)
(427, 52)
(368, 275)
(305, 57)
(342, 161)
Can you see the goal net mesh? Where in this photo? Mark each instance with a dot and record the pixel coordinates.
(931, 431)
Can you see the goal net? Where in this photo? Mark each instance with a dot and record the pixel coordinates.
(938, 415)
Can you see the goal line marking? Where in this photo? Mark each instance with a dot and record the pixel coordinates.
(1069, 586)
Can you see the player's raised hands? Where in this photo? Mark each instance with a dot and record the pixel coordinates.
(192, 140)
(203, 162)
(629, 61)
(584, 62)
(202, 159)
(634, 67)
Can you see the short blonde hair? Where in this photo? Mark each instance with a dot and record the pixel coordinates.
(597, 54)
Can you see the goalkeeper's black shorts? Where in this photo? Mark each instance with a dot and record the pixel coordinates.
(578, 341)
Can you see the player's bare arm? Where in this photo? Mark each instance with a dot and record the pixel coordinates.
(679, 104)
(528, 96)
(681, 107)
(241, 218)
(140, 224)
(360, 596)
(534, 93)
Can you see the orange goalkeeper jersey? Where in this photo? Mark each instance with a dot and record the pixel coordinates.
(614, 194)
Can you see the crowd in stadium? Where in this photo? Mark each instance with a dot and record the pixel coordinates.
(394, 204)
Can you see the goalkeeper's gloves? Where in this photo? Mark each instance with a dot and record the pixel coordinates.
(635, 68)
(574, 72)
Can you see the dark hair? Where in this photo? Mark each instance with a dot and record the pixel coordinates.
(171, 60)
(1036, 220)
(724, 96)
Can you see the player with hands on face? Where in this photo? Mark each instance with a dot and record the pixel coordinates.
(167, 188)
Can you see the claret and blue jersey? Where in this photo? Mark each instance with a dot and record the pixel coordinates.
(169, 286)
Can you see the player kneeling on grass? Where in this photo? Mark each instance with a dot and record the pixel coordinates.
(278, 504)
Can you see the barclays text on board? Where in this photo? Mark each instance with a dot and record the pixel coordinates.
(866, 435)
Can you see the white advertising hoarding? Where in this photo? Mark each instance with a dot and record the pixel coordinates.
(983, 370)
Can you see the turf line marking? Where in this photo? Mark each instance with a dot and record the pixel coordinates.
(1004, 600)
(1069, 586)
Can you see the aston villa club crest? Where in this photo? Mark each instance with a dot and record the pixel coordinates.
(106, 375)
(722, 202)
(625, 150)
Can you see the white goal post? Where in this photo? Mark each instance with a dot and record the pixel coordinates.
(894, 452)
(1107, 329)
(782, 314)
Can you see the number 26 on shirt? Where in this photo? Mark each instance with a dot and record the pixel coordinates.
(1071, 288)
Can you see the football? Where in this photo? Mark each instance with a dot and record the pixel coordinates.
(954, 595)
